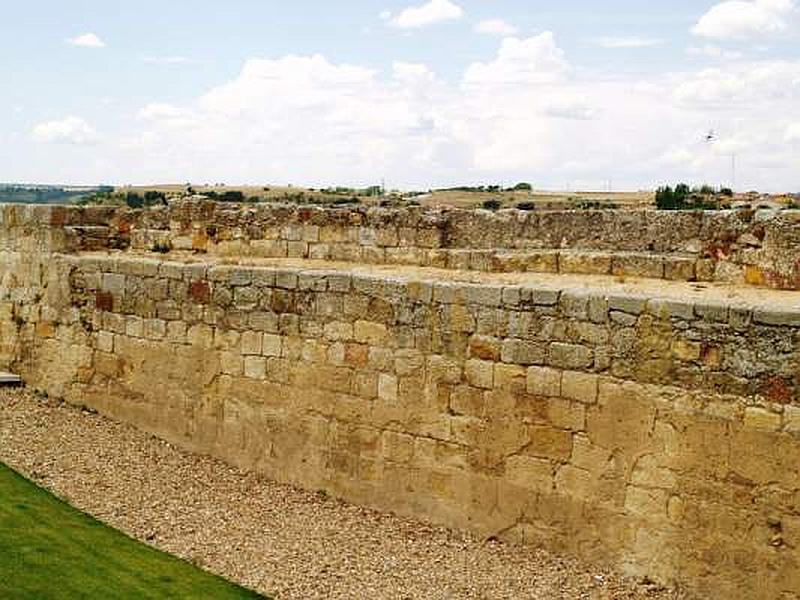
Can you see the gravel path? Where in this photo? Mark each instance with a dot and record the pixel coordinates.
(273, 538)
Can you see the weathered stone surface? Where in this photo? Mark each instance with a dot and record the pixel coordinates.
(659, 433)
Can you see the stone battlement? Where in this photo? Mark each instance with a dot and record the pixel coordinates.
(740, 247)
(627, 416)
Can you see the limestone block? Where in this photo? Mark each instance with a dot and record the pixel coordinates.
(387, 387)
(761, 419)
(367, 332)
(549, 442)
(286, 280)
(523, 352)
(105, 341)
(251, 342)
(679, 269)
(686, 350)
(574, 305)
(570, 356)
(633, 305)
(588, 456)
(587, 263)
(576, 385)
(789, 318)
(365, 384)
(269, 248)
(467, 400)
(201, 335)
(543, 381)
(271, 345)
(113, 283)
(460, 318)
(573, 482)
(263, 321)
(231, 363)
(791, 419)
(663, 309)
(484, 295)
(255, 367)
(381, 359)
(297, 249)
(155, 329)
(644, 265)
(510, 377)
(650, 504)
(479, 373)
(565, 414)
(176, 332)
(443, 369)
(712, 312)
(534, 474)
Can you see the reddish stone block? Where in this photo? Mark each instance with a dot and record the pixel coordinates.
(200, 291)
(104, 301)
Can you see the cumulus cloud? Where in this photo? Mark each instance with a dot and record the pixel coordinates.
(522, 113)
(70, 130)
(741, 19)
(87, 40)
(534, 60)
(741, 83)
(434, 11)
(495, 27)
(792, 133)
(628, 42)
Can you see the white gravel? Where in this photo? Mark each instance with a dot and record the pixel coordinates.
(281, 541)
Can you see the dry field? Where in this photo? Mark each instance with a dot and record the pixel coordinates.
(462, 199)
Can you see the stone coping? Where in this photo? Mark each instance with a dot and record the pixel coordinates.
(709, 300)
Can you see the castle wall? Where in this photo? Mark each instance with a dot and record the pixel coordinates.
(658, 432)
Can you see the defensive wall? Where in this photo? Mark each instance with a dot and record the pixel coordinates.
(624, 386)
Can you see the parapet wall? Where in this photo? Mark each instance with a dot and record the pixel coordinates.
(648, 424)
(741, 247)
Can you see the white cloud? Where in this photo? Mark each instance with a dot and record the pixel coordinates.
(70, 130)
(741, 83)
(628, 42)
(715, 52)
(495, 27)
(434, 11)
(792, 133)
(534, 60)
(87, 40)
(741, 19)
(522, 113)
(567, 108)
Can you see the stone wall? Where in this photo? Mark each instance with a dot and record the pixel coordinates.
(743, 247)
(659, 433)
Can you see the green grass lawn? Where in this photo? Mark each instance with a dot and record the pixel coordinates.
(50, 550)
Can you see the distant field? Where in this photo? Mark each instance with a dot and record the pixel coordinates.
(540, 199)
(464, 199)
(44, 194)
(50, 550)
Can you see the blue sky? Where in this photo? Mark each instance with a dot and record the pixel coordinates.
(420, 92)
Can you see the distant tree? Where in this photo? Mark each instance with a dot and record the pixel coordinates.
(707, 190)
(152, 198)
(522, 187)
(134, 200)
(232, 196)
